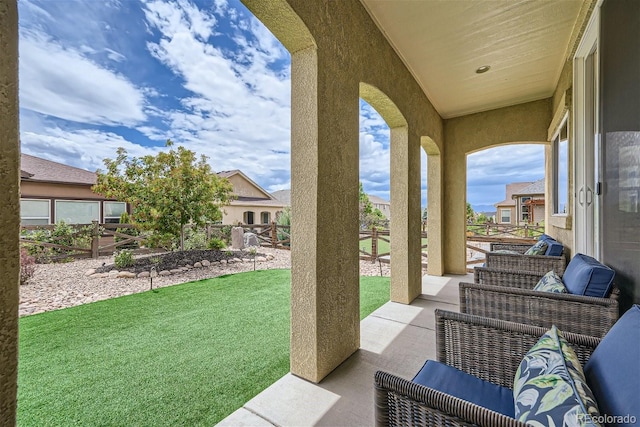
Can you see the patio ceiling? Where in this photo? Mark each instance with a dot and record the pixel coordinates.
(443, 42)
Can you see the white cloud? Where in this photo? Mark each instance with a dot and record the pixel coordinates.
(61, 82)
(85, 148)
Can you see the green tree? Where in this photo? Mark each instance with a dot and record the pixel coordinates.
(166, 191)
(470, 213)
(369, 216)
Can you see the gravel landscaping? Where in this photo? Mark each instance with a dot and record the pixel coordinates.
(56, 286)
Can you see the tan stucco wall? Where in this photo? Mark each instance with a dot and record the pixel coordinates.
(332, 44)
(9, 211)
(59, 191)
(243, 188)
(235, 214)
(523, 123)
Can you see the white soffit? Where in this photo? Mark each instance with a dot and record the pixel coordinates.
(443, 42)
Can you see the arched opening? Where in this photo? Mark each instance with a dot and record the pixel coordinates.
(505, 195)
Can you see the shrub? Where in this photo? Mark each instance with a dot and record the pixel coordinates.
(222, 233)
(123, 258)
(216, 243)
(195, 239)
(27, 266)
(61, 234)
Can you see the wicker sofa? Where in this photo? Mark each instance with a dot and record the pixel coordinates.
(491, 350)
(515, 259)
(509, 295)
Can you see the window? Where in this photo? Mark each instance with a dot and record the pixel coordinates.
(77, 212)
(266, 217)
(112, 211)
(524, 209)
(505, 216)
(561, 170)
(34, 212)
(248, 217)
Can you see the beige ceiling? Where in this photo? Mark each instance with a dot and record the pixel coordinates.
(443, 42)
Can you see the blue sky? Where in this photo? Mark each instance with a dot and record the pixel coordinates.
(98, 75)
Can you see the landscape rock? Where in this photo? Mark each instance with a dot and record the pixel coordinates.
(261, 259)
(143, 274)
(90, 272)
(175, 270)
(250, 239)
(237, 260)
(113, 273)
(205, 263)
(197, 265)
(269, 257)
(164, 273)
(224, 261)
(126, 275)
(237, 238)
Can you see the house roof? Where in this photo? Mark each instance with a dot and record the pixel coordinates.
(229, 174)
(378, 200)
(283, 195)
(534, 189)
(37, 169)
(254, 201)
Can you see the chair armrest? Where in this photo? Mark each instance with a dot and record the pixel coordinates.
(570, 313)
(506, 278)
(492, 349)
(535, 263)
(399, 402)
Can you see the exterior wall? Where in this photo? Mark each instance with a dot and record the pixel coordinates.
(244, 188)
(561, 226)
(9, 211)
(523, 123)
(235, 214)
(30, 189)
(499, 209)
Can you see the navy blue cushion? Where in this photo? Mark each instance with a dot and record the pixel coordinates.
(447, 379)
(554, 248)
(613, 371)
(587, 276)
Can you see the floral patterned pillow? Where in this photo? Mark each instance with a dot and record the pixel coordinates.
(551, 282)
(540, 248)
(549, 388)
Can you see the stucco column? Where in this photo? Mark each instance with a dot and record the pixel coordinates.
(406, 263)
(325, 321)
(435, 262)
(454, 200)
(9, 211)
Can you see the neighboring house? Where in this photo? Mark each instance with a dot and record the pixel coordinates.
(524, 203)
(284, 196)
(382, 204)
(51, 192)
(377, 202)
(253, 205)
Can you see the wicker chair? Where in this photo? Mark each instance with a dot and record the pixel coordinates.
(469, 343)
(573, 313)
(520, 262)
(516, 247)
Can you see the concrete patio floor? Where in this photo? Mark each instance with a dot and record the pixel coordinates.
(396, 338)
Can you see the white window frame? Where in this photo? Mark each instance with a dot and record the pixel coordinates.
(55, 214)
(37, 217)
(104, 211)
(502, 211)
(555, 157)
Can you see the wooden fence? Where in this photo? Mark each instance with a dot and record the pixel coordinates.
(88, 241)
(91, 241)
(270, 235)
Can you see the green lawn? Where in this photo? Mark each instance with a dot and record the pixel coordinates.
(183, 355)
